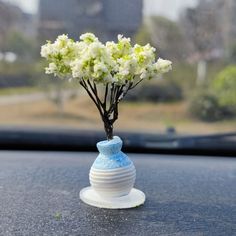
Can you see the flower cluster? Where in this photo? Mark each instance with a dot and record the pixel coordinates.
(103, 63)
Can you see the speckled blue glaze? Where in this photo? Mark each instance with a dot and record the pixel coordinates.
(110, 155)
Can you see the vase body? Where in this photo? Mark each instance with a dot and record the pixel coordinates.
(112, 173)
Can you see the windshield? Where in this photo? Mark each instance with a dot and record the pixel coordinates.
(197, 97)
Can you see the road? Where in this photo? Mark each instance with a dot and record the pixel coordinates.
(32, 97)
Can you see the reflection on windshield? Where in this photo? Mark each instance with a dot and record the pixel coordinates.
(197, 97)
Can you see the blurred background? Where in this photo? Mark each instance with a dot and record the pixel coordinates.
(197, 97)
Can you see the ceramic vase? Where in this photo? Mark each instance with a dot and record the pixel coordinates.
(112, 177)
(112, 173)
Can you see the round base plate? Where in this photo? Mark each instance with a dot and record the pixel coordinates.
(133, 199)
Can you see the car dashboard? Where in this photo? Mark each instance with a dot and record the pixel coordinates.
(185, 195)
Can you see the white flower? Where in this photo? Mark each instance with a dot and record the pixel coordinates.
(163, 66)
(46, 50)
(63, 37)
(77, 69)
(100, 70)
(149, 72)
(51, 69)
(88, 38)
(110, 63)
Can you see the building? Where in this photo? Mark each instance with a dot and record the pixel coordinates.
(228, 23)
(13, 19)
(211, 29)
(106, 18)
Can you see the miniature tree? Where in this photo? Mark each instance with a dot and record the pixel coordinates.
(117, 67)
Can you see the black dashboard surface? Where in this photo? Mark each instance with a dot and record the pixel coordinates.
(39, 195)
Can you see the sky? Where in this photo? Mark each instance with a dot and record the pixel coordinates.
(168, 8)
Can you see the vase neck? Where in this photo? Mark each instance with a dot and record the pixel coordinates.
(110, 147)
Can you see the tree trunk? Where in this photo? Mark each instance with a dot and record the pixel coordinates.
(108, 128)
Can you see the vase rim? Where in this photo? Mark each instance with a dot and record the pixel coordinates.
(114, 140)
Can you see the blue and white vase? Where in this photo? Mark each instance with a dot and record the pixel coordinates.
(112, 173)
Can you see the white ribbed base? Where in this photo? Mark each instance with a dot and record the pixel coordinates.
(113, 182)
(133, 199)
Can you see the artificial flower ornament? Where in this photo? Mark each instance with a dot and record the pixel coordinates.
(107, 72)
(118, 67)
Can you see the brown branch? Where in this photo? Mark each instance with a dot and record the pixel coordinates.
(117, 87)
(82, 82)
(95, 87)
(120, 91)
(94, 90)
(132, 87)
(109, 112)
(87, 90)
(115, 113)
(124, 92)
(84, 85)
(105, 96)
(112, 98)
(112, 93)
